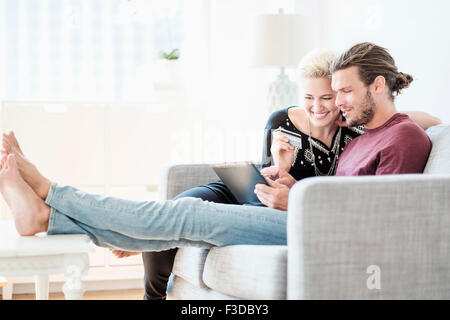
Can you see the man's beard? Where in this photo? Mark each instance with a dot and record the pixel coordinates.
(366, 110)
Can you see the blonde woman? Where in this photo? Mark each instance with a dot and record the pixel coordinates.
(318, 122)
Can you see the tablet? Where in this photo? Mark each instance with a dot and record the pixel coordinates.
(241, 179)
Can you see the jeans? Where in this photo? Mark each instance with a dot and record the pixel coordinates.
(155, 226)
(158, 264)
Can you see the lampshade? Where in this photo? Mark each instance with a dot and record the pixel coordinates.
(280, 40)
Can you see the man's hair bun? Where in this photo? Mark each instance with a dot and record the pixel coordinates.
(402, 81)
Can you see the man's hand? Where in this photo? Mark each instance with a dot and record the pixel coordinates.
(286, 179)
(276, 196)
(279, 175)
(271, 172)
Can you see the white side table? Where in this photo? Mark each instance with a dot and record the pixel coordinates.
(42, 255)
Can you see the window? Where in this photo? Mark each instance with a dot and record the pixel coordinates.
(84, 49)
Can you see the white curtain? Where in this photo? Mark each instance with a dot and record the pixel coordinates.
(91, 50)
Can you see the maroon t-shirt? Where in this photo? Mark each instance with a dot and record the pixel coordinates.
(398, 146)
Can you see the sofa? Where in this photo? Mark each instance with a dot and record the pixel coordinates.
(367, 237)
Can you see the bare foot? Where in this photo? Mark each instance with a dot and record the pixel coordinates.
(123, 254)
(30, 212)
(27, 169)
(13, 142)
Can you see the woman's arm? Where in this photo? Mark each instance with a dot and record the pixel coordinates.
(423, 119)
(274, 121)
(276, 149)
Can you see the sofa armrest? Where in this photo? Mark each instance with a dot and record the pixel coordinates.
(177, 178)
(369, 237)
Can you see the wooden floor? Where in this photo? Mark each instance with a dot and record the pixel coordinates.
(131, 294)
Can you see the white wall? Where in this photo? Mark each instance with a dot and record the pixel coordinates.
(237, 109)
(414, 31)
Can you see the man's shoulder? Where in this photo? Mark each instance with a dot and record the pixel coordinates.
(407, 134)
(407, 128)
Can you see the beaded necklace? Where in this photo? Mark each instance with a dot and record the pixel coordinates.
(335, 149)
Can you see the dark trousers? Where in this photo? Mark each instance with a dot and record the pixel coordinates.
(158, 265)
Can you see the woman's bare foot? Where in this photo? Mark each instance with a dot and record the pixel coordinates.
(27, 169)
(123, 254)
(30, 212)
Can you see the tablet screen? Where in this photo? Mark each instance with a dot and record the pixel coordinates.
(241, 179)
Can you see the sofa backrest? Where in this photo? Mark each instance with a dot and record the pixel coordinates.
(439, 159)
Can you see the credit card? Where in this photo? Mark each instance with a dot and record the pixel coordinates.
(295, 139)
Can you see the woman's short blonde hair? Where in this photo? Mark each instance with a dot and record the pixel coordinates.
(316, 64)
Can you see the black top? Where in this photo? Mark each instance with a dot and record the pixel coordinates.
(304, 163)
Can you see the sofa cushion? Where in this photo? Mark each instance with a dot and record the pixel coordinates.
(187, 291)
(247, 271)
(439, 159)
(189, 263)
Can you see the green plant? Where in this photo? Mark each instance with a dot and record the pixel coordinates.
(174, 55)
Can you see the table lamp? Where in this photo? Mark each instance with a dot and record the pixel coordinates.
(280, 42)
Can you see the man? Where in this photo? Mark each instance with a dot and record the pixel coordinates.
(364, 78)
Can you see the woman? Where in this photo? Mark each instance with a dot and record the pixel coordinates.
(324, 135)
(320, 109)
(322, 141)
(322, 138)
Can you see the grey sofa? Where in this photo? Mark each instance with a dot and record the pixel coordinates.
(369, 237)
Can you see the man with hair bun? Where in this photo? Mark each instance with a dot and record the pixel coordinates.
(365, 79)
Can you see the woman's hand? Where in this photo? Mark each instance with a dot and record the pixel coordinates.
(123, 254)
(282, 151)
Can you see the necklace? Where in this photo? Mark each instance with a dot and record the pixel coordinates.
(335, 149)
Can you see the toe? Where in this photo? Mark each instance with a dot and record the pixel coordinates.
(12, 140)
(2, 162)
(11, 162)
(6, 146)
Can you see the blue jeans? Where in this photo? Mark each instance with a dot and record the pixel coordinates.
(154, 226)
